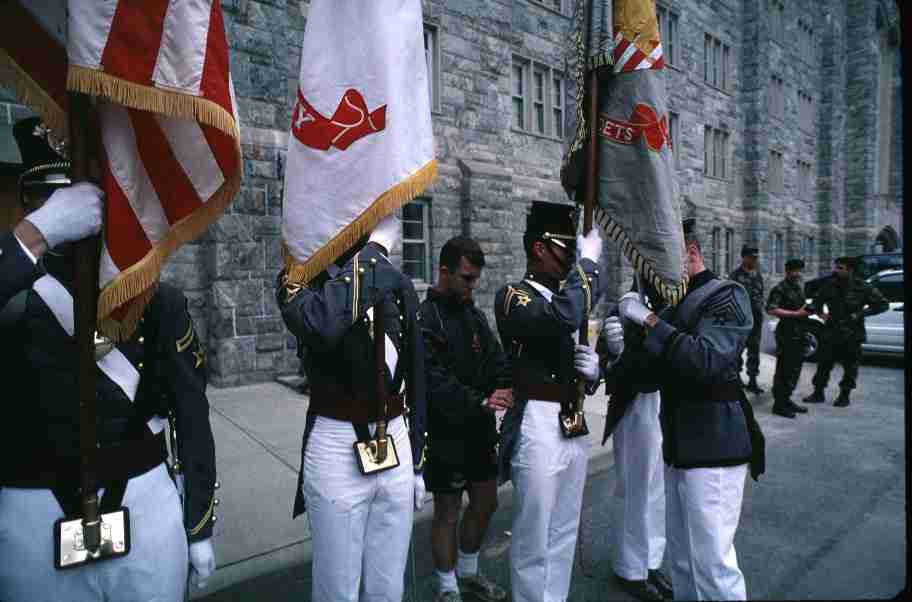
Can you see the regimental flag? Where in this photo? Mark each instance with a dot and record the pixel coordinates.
(170, 142)
(637, 204)
(361, 143)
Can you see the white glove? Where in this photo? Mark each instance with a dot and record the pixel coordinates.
(387, 232)
(614, 335)
(202, 562)
(631, 308)
(590, 246)
(420, 491)
(585, 360)
(72, 213)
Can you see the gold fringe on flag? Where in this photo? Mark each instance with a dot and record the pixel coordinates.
(34, 96)
(391, 200)
(134, 285)
(152, 99)
(672, 294)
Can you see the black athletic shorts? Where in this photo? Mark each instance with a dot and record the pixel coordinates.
(441, 476)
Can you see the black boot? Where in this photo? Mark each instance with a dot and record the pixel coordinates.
(843, 399)
(795, 407)
(752, 386)
(781, 408)
(815, 397)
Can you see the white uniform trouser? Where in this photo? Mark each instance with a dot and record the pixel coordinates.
(155, 570)
(703, 507)
(639, 520)
(549, 472)
(361, 524)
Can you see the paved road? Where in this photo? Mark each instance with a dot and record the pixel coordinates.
(827, 520)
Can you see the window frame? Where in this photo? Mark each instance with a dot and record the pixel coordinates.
(548, 4)
(716, 63)
(432, 33)
(716, 249)
(674, 134)
(775, 176)
(425, 204)
(729, 250)
(669, 33)
(778, 253)
(715, 153)
(527, 98)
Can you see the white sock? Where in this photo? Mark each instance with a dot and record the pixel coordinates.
(467, 564)
(447, 581)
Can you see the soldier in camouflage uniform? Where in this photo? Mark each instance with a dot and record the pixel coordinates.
(748, 276)
(843, 302)
(786, 302)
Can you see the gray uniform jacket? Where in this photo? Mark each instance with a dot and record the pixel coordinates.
(329, 318)
(537, 334)
(698, 343)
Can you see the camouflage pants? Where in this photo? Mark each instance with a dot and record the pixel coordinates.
(847, 353)
(789, 359)
(753, 348)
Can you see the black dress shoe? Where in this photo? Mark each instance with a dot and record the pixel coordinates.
(753, 388)
(843, 400)
(784, 411)
(640, 589)
(797, 408)
(815, 397)
(661, 583)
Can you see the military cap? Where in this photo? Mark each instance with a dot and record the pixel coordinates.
(42, 162)
(794, 264)
(690, 226)
(846, 260)
(553, 222)
(748, 251)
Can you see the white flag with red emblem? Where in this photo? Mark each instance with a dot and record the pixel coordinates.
(361, 143)
(170, 142)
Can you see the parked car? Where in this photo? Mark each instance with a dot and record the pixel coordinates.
(886, 331)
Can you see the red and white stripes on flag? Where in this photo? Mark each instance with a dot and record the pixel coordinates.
(170, 142)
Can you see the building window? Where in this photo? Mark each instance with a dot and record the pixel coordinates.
(886, 123)
(777, 97)
(538, 98)
(668, 33)
(674, 134)
(805, 111)
(777, 20)
(716, 249)
(716, 62)
(555, 5)
(806, 42)
(715, 153)
(432, 57)
(776, 183)
(809, 249)
(729, 253)
(778, 254)
(805, 188)
(416, 248)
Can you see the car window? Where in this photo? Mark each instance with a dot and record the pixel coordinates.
(892, 287)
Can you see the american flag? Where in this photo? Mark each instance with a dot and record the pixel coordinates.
(170, 142)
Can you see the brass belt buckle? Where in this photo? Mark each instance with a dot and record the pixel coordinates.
(69, 540)
(573, 424)
(376, 455)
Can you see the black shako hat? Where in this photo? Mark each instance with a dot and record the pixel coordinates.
(43, 166)
(749, 251)
(552, 222)
(846, 260)
(794, 264)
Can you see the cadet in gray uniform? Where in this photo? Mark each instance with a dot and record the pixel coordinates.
(748, 276)
(706, 444)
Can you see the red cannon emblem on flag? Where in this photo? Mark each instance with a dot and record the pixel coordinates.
(644, 121)
(349, 123)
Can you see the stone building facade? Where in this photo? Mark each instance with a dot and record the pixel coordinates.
(785, 117)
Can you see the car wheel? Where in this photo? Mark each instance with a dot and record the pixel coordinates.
(811, 344)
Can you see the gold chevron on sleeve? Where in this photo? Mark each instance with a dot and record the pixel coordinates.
(184, 342)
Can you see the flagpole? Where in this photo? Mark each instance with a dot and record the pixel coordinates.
(86, 259)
